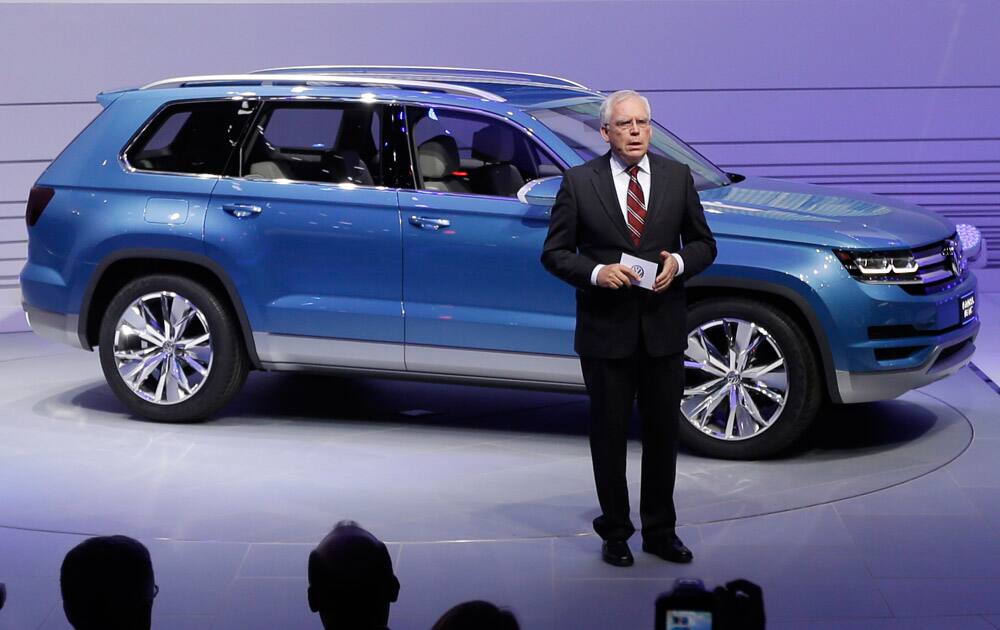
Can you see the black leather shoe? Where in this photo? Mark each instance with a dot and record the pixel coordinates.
(617, 553)
(670, 549)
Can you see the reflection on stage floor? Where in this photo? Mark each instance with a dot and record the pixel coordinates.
(480, 492)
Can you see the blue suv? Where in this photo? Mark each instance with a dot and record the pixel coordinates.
(388, 221)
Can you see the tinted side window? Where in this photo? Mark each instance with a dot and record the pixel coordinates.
(316, 142)
(470, 153)
(190, 138)
(304, 128)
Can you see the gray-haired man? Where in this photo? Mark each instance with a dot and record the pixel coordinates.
(631, 340)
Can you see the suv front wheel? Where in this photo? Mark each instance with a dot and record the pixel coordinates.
(752, 385)
(169, 349)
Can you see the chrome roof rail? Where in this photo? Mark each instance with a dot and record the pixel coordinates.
(472, 72)
(355, 80)
(460, 79)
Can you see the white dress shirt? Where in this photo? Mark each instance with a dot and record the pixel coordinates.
(619, 171)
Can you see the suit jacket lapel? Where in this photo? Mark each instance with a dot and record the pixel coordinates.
(604, 184)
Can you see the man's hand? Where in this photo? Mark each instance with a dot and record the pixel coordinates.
(616, 276)
(665, 277)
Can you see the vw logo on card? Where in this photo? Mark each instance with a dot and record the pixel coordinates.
(638, 270)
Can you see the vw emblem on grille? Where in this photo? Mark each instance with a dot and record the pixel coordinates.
(952, 251)
(638, 270)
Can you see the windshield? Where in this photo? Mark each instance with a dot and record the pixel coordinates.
(578, 124)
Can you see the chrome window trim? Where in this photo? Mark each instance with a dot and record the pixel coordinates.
(351, 81)
(464, 195)
(123, 161)
(524, 130)
(342, 186)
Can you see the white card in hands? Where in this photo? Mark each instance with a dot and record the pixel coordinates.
(646, 270)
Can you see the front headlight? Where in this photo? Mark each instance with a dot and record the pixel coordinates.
(895, 267)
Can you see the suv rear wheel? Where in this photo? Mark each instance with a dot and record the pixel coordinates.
(169, 349)
(752, 385)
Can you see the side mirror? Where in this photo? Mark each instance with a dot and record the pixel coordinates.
(540, 192)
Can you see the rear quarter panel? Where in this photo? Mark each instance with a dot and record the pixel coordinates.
(99, 208)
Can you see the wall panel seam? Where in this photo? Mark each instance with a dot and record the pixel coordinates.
(43, 103)
(896, 163)
(845, 140)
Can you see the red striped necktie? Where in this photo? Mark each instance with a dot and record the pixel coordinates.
(636, 205)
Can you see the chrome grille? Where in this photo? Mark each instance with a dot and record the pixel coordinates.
(937, 267)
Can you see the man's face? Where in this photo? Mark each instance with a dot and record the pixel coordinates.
(628, 132)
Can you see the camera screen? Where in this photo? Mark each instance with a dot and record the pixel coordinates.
(689, 620)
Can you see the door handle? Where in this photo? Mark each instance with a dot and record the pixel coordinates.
(426, 223)
(242, 210)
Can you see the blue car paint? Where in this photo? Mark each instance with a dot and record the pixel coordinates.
(490, 250)
(349, 264)
(318, 258)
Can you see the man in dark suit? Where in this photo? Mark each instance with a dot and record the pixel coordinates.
(631, 340)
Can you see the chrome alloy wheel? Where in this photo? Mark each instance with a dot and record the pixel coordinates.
(163, 348)
(736, 383)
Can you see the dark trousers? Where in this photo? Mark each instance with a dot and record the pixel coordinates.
(613, 386)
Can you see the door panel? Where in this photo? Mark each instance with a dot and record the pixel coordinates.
(317, 260)
(478, 283)
(476, 297)
(313, 258)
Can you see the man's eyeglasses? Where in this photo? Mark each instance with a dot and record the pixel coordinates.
(625, 125)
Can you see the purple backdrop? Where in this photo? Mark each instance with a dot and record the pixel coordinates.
(897, 97)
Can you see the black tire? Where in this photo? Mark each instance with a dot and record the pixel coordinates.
(227, 369)
(803, 394)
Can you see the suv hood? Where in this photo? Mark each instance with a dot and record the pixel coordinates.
(819, 215)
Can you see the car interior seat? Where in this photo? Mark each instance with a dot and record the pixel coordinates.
(494, 145)
(268, 169)
(438, 159)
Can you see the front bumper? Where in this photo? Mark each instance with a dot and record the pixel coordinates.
(61, 327)
(945, 359)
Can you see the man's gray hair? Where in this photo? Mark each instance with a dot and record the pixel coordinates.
(617, 97)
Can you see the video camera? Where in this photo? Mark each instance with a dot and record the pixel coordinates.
(739, 605)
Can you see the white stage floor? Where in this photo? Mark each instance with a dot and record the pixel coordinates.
(487, 493)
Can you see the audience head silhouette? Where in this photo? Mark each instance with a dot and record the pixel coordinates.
(477, 615)
(351, 583)
(107, 584)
